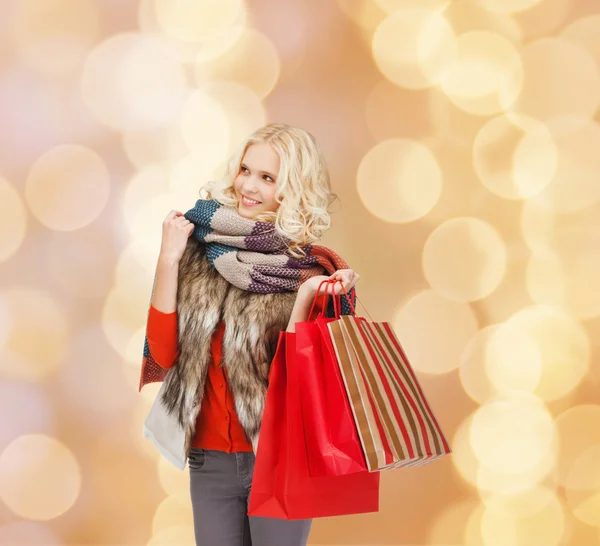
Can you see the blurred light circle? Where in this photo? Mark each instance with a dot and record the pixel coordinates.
(428, 316)
(522, 504)
(494, 481)
(449, 524)
(253, 62)
(55, 35)
(163, 144)
(486, 76)
(515, 157)
(537, 226)
(127, 92)
(512, 360)
(390, 6)
(575, 184)
(583, 486)
(175, 510)
(464, 259)
(586, 33)
(500, 527)
(190, 173)
(149, 182)
(512, 433)
(578, 434)
(173, 481)
(567, 276)
(204, 126)
(242, 108)
(90, 256)
(215, 43)
(36, 340)
(67, 187)
(27, 533)
(197, 20)
(467, 16)
(413, 47)
(35, 414)
(399, 180)
(563, 345)
(40, 478)
(546, 92)
(508, 6)
(182, 535)
(13, 220)
(364, 13)
(499, 359)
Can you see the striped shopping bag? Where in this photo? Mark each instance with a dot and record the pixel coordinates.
(396, 425)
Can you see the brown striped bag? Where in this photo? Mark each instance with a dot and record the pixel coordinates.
(394, 420)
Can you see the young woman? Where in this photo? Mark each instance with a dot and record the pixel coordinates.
(221, 301)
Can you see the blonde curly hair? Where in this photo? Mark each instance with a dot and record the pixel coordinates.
(303, 187)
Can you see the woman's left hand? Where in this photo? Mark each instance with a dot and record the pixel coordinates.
(349, 278)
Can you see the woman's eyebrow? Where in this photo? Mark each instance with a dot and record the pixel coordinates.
(261, 172)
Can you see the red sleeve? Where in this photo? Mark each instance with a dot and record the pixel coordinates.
(161, 331)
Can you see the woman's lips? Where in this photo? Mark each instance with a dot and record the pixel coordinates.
(248, 203)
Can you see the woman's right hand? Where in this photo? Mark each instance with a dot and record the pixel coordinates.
(176, 231)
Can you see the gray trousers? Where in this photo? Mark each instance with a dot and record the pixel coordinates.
(220, 485)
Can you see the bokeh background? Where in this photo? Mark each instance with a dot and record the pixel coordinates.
(463, 141)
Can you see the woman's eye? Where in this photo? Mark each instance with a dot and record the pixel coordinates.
(269, 178)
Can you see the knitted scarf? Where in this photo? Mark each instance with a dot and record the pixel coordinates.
(254, 256)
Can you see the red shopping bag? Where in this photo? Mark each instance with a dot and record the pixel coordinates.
(333, 443)
(282, 486)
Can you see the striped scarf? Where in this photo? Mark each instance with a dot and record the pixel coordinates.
(254, 256)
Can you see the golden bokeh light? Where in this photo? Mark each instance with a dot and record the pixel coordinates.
(67, 187)
(90, 256)
(508, 6)
(364, 13)
(567, 276)
(216, 42)
(578, 433)
(28, 532)
(189, 174)
(515, 156)
(172, 480)
(242, 108)
(494, 481)
(575, 183)
(413, 47)
(427, 316)
(390, 6)
(182, 535)
(583, 486)
(466, 16)
(253, 62)
(55, 35)
(486, 75)
(464, 259)
(164, 144)
(449, 526)
(13, 220)
(546, 92)
(512, 432)
(205, 127)
(40, 478)
(499, 358)
(586, 33)
(32, 314)
(386, 180)
(563, 344)
(125, 91)
(538, 226)
(174, 511)
(197, 20)
(500, 526)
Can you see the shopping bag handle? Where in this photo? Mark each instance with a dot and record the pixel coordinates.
(336, 299)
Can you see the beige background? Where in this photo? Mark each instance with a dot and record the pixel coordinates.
(463, 141)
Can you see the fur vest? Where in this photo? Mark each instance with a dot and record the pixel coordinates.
(253, 322)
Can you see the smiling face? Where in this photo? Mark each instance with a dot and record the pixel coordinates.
(256, 183)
